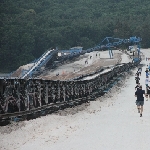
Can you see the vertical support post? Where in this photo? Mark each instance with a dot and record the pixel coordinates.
(64, 94)
(18, 93)
(84, 89)
(28, 101)
(46, 94)
(58, 93)
(39, 97)
(110, 52)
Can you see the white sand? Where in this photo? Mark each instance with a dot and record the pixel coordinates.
(125, 58)
(107, 124)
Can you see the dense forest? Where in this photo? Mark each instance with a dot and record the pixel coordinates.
(30, 27)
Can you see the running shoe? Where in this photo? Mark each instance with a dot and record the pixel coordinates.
(140, 115)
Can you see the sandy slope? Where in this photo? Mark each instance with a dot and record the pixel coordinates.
(76, 67)
(106, 124)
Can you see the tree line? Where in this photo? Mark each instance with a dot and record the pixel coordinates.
(28, 28)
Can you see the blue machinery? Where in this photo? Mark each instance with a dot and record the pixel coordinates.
(39, 63)
(108, 43)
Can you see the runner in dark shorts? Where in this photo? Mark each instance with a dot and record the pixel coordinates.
(140, 100)
(139, 103)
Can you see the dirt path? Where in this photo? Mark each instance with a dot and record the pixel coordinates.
(96, 65)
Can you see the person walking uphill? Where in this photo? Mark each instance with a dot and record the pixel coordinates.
(140, 100)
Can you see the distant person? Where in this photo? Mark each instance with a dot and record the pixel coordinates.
(99, 55)
(57, 74)
(147, 74)
(148, 92)
(137, 86)
(140, 71)
(146, 81)
(137, 79)
(86, 62)
(133, 53)
(140, 100)
(146, 69)
(137, 73)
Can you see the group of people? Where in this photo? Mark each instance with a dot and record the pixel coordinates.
(140, 93)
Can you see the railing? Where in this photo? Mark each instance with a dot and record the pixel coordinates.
(19, 97)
